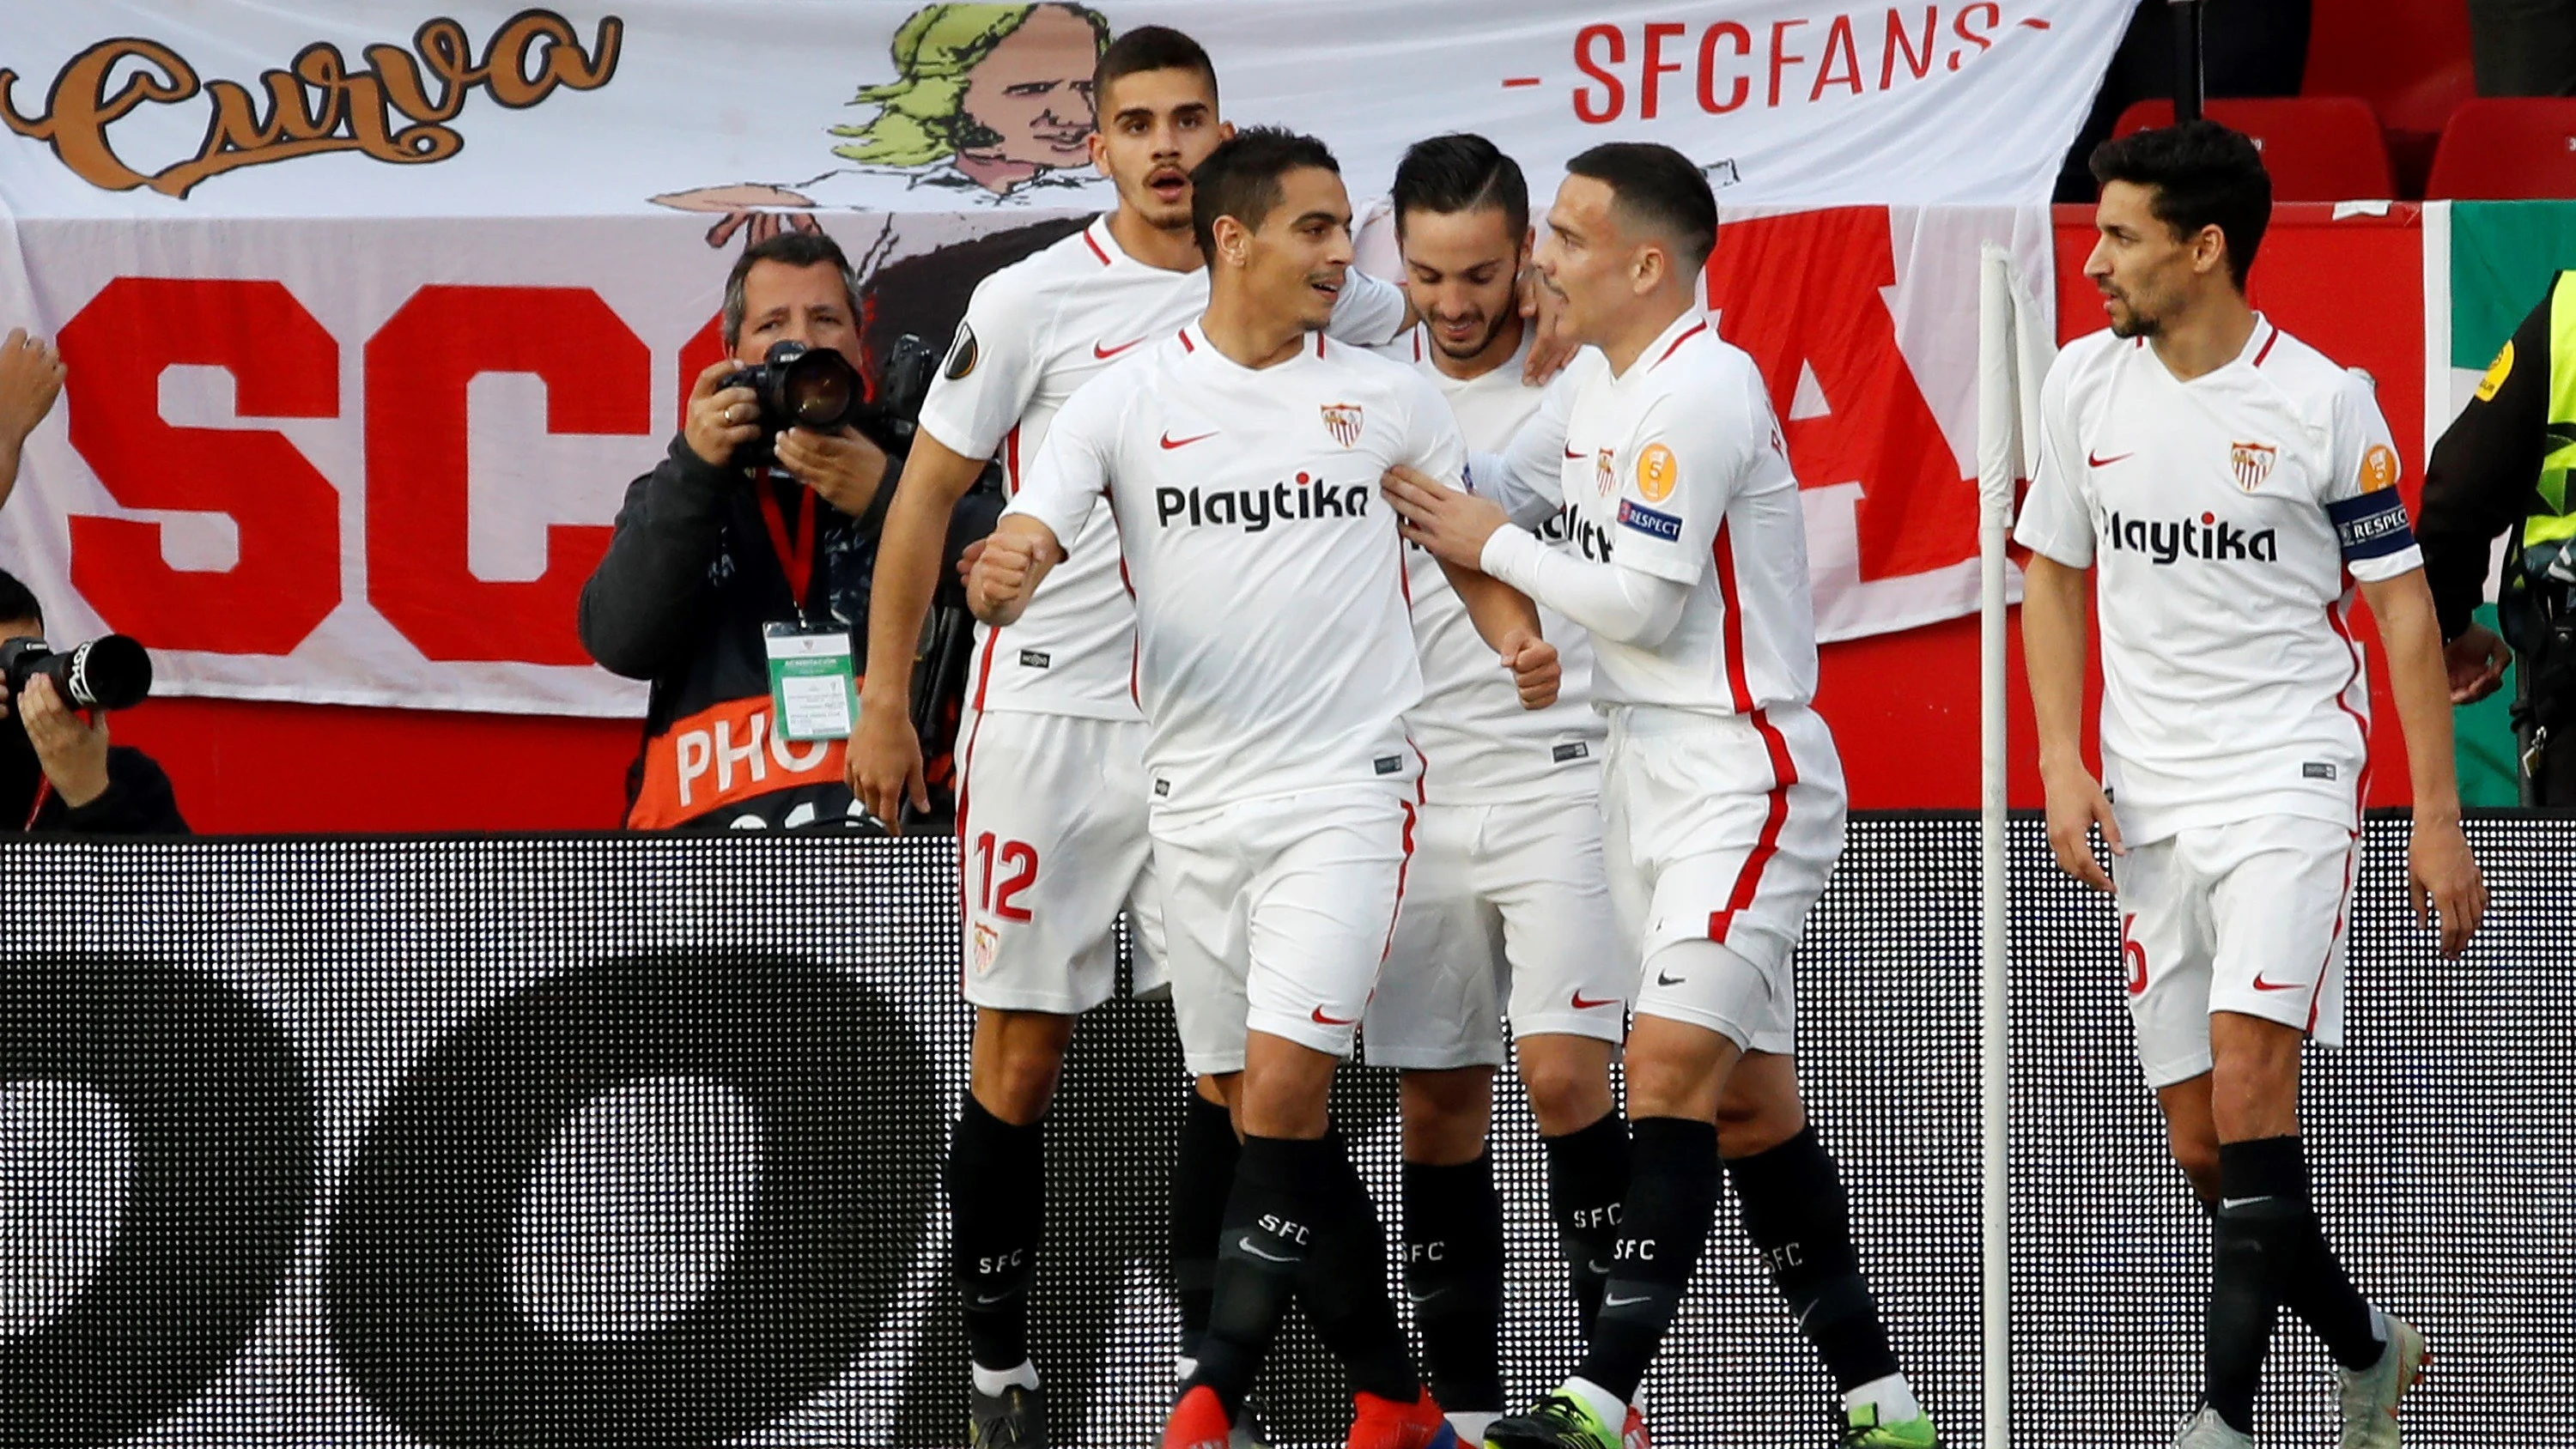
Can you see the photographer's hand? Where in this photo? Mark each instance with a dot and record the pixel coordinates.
(844, 467)
(720, 420)
(72, 751)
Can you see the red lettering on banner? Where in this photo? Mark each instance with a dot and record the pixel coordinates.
(1920, 63)
(1656, 67)
(1780, 57)
(1601, 53)
(1838, 46)
(1724, 29)
(1584, 40)
(286, 578)
(1801, 293)
(599, 380)
(1994, 17)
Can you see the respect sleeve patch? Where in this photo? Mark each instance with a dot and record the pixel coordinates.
(2372, 525)
(1648, 521)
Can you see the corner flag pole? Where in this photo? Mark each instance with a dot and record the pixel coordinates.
(2002, 403)
(2189, 84)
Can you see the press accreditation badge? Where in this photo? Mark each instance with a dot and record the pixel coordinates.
(813, 683)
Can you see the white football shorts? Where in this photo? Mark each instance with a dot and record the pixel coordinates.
(1052, 845)
(1504, 904)
(1278, 911)
(2251, 917)
(1721, 828)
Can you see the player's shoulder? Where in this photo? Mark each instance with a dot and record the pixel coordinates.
(2090, 356)
(1036, 282)
(1141, 375)
(2307, 375)
(1375, 368)
(1700, 378)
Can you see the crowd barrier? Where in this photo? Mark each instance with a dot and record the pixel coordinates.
(634, 1142)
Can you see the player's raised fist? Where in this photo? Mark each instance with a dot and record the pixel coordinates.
(1007, 572)
(1535, 670)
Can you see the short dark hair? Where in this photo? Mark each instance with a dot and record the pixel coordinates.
(1461, 172)
(1659, 187)
(1149, 47)
(17, 601)
(790, 248)
(1241, 178)
(2200, 174)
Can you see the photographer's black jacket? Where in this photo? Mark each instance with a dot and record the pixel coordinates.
(137, 801)
(689, 579)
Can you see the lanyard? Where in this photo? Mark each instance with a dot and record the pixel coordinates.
(44, 792)
(796, 562)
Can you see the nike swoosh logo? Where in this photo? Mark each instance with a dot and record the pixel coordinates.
(1322, 1020)
(1598, 1268)
(1612, 1300)
(987, 1300)
(1418, 1296)
(1663, 980)
(1578, 457)
(1249, 1246)
(2262, 985)
(1106, 353)
(2237, 1202)
(1582, 1005)
(2098, 461)
(1171, 442)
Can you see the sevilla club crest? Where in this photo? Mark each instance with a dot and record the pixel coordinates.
(2252, 463)
(1342, 420)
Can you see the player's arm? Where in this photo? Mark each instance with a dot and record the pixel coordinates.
(2058, 531)
(1509, 622)
(2361, 498)
(1017, 556)
(983, 387)
(2442, 876)
(1525, 477)
(885, 766)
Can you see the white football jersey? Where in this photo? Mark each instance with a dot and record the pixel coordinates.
(1678, 469)
(1479, 746)
(1274, 645)
(2225, 518)
(1035, 331)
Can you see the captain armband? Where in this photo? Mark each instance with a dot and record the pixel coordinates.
(2372, 525)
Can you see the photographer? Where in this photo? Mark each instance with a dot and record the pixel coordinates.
(58, 773)
(2501, 469)
(739, 572)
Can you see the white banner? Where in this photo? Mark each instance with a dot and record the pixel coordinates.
(368, 108)
(371, 311)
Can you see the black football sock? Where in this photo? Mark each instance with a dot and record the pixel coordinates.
(1795, 1211)
(1269, 1225)
(997, 1208)
(1587, 1175)
(1202, 1177)
(1344, 1284)
(2306, 1276)
(1453, 1268)
(1672, 1200)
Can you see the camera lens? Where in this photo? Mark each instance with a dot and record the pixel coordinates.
(113, 672)
(818, 390)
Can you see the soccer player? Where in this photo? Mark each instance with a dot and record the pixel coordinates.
(1052, 798)
(1506, 900)
(1722, 794)
(2229, 487)
(1274, 662)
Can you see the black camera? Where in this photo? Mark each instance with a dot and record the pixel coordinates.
(817, 389)
(112, 672)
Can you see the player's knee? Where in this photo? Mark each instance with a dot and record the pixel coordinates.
(1447, 1114)
(1749, 1125)
(2196, 1153)
(1019, 1057)
(1568, 1088)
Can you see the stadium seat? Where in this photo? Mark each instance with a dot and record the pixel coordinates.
(2318, 148)
(2507, 150)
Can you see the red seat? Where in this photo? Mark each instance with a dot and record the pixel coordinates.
(2507, 150)
(2318, 148)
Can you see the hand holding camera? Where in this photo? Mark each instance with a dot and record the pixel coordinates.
(48, 689)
